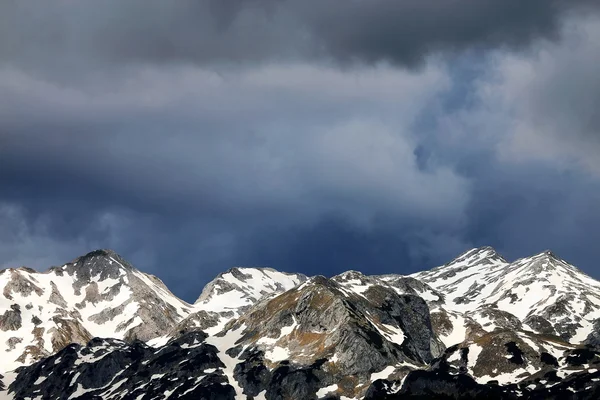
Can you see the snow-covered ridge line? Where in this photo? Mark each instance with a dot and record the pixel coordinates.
(101, 294)
(476, 313)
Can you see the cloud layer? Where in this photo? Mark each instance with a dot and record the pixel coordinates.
(382, 136)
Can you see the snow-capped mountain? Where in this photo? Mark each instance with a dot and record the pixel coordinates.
(96, 295)
(542, 293)
(479, 325)
(228, 296)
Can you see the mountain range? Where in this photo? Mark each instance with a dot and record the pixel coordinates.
(477, 327)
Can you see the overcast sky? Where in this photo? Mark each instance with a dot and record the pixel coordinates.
(314, 136)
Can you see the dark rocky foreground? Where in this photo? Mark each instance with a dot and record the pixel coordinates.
(187, 368)
(443, 381)
(190, 368)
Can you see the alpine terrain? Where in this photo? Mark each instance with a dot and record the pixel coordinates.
(477, 327)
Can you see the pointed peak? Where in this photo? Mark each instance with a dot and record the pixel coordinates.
(101, 253)
(252, 283)
(320, 280)
(547, 260)
(109, 254)
(27, 269)
(103, 262)
(547, 254)
(478, 254)
(245, 270)
(485, 248)
(318, 283)
(347, 275)
(486, 251)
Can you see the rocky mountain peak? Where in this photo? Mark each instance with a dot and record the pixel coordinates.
(245, 286)
(348, 275)
(104, 263)
(232, 293)
(479, 255)
(547, 255)
(546, 261)
(345, 328)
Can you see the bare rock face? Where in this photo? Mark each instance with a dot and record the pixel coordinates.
(593, 338)
(12, 342)
(410, 285)
(95, 266)
(11, 319)
(323, 334)
(540, 324)
(56, 297)
(67, 331)
(198, 321)
(19, 284)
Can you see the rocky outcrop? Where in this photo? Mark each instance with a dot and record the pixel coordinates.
(67, 331)
(11, 319)
(345, 334)
(593, 338)
(198, 321)
(19, 284)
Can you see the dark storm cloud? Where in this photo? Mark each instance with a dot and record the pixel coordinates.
(122, 127)
(185, 171)
(79, 34)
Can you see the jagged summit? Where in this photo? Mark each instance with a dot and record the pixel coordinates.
(477, 255)
(246, 285)
(99, 264)
(231, 294)
(102, 254)
(546, 254)
(93, 259)
(548, 261)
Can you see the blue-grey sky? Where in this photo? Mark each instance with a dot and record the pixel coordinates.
(311, 136)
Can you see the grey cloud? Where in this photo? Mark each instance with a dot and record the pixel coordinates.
(67, 36)
(188, 172)
(253, 144)
(188, 167)
(527, 141)
(543, 105)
